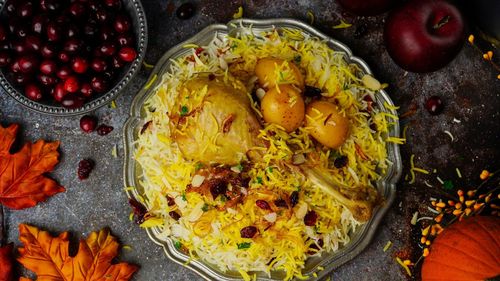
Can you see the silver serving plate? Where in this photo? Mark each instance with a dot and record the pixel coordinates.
(329, 261)
(136, 12)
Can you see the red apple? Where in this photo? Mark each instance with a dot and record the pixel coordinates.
(424, 35)
(367, 7)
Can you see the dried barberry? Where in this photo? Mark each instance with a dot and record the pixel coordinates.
(170, 201)
(312, 91)
(310, 218)
(340, 162)
(103, 130)
(263, 204)
(138, 209)
(280, 203)
(218, 188)
(84, 168)
(248, 232)
(174, 215)
(294, 198)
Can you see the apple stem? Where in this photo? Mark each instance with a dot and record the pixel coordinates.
(442, 22)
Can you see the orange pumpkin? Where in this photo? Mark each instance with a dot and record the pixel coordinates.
(466, 250)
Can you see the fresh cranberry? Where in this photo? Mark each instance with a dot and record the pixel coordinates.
(113, 4)
(90, 29)
(54, 31)
(4, 58)
(248, 232)
(73, 45)
(310, 218)
(10, 6)
(48, 50)
(63, 57)
(71, 84)
(434, 105)
(4, 46)
(185, 11)
(15, 66)
(85, 167)
(38, 23)
(73, 101)
(109, 74)
(79, 65)
(103, 130)
(59, 92)
(101, 15)
(22, 79)
(47, 80)
(18, 46)
(125, 39)
(86, 90)
(72, 31)
(48, 67)
(21, 31)
(28, 63)
(63, 72)
(77, 9)
(127, 54)
(88, 123)
(99, 65)
(263, 204)
(122, 24)
(106, 33)
(33, 92)
(3, 33)
(33, 43)
(107, 48)
(50, 5)
(25, 10)
(118, 63)
(99, 84)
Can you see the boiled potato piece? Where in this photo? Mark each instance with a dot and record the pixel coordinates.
(272, 71)
(283, 105)
(327, 125)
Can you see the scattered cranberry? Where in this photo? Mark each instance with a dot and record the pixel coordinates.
(73, 45)
(33, 43)
(88, 123)
(434, 105)
(122, 24)
(33, 92)
(106, 33)
(86, 90)
(48, 50)
(124, 40)
(59, 92)
(84, 168)
(101, 15)
(72, 31)
(310, 218)
(174, 215)
(127, 54)
(107, 49)
(118, 63)
(25, 10)
(71, 84)
(48, 67)
(73, 101)
(113, 4)
(22, 79)
(4, 59)
(15, 67)
(294, 198)
(185, 11)
(50, 5)
(98, 84)
(38, 23)
(79, 65)
(64, 57)
(63, 72)
(77, 9)
(27, 64)
(103, 130)
(99, 65)
(53, 31)
(248, 232)
(46, 80)
(262, 204)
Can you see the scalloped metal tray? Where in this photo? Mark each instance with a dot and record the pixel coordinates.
(329, 261)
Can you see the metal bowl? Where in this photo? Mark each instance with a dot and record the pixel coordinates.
(136, 11)
(329, 261)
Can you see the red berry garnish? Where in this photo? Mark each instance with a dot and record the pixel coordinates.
(88, 123)
(434, 105)
(174, 215)
(79, 65)
(71, 84)
(84, 168)
(127, 54)
(73, 101)
(248, 232)
(33, 92)
(86, 89)
(310, 218)
(48, 67)
(103, 130)
(59, 92)
(262, 204)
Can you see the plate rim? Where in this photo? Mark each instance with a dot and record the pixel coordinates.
(387, 183)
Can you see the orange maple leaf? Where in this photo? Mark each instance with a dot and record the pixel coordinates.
(22, 175)
(49, 258)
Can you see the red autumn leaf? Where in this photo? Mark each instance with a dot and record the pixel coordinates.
(22, 175)
(49, 258)
(6, 263)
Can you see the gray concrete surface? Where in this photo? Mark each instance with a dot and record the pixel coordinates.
(468, 86)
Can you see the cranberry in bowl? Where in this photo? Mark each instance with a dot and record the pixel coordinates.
(69, 57)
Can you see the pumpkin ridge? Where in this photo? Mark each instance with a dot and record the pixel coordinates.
(457, 269)
(487, 232)
(442, 244)
(492, 255)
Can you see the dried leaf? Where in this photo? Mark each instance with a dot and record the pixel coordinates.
(22, 175)
(6, 263)
(48, 256)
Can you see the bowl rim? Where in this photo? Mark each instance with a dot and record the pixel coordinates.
(386, 185)
(104, 99)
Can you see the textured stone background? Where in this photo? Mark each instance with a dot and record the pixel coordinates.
(468, 86)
